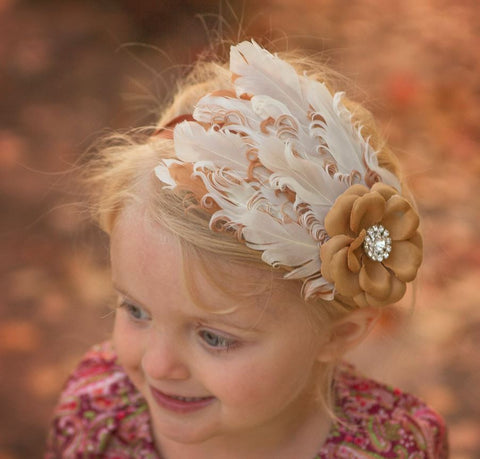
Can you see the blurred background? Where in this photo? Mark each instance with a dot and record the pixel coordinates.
(71, 71)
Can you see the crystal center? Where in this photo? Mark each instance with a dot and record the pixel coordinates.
(377, 243)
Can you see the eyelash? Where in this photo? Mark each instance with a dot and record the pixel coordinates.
(131, 309)
(228, 343)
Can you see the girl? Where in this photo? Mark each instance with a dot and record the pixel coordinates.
(255, 238)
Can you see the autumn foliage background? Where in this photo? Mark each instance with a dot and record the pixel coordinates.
(72, 70)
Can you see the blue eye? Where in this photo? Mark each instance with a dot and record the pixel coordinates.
(218, 342)
(135, 312)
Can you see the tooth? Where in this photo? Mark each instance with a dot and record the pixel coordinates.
(188, 399)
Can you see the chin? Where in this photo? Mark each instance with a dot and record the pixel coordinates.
(184, 431)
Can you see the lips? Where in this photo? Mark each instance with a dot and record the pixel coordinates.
(178, 403)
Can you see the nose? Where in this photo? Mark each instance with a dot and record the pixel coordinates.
(163, 357)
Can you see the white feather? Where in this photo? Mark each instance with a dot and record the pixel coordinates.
(305, 144)
(261, 73)
(309, 268)
(273, 203)
(282, 243)
(163, 174)
(224, 149)
(311, 182)
(210, 108)
(340, 138)
(386, 176)
(319, 287)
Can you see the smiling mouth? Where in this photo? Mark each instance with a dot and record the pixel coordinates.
(178, 403)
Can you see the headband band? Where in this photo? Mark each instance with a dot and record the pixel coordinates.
(166, 131)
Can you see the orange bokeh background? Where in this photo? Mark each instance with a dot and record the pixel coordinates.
(72, 70)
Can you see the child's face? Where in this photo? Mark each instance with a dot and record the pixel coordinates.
(245, 373)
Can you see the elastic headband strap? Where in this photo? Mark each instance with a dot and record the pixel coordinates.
(166, 132)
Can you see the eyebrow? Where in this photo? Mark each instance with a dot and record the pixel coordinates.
(123, 292)
(212, 317)
(231, 323)
(120, 290)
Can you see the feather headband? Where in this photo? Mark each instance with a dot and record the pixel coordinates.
(278, 161)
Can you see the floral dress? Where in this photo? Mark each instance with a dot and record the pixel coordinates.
(101, 414)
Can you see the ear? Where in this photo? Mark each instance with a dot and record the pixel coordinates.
(346, 333)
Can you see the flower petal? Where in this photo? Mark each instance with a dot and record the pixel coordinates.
(354, 255)
(367, 211)
(401, 219)
(386, 191)
(404, 260)
(357, 190)
(346, 282)
(337, 220)
(417, 240)
(328, 250)
(397, 290)
(361, 300)
(375, 279)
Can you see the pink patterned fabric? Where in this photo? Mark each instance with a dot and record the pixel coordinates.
(101, 414)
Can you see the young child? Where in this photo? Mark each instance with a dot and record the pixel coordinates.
(255, 238)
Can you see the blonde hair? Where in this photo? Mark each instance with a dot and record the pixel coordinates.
(123, 173)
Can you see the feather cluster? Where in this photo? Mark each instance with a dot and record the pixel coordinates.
(269, 159)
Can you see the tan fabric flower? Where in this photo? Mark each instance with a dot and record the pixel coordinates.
(345, 262)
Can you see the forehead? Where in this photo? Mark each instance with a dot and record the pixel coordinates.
(149, 261)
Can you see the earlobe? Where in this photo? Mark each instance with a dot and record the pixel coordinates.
(347, 333)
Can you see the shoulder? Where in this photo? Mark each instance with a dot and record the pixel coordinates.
(384, 420)
(99, 411)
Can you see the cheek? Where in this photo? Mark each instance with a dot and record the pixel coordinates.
(264, 382)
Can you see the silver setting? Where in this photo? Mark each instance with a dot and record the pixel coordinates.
(377, 243)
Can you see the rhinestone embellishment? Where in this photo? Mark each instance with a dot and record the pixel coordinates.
(377, 243)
